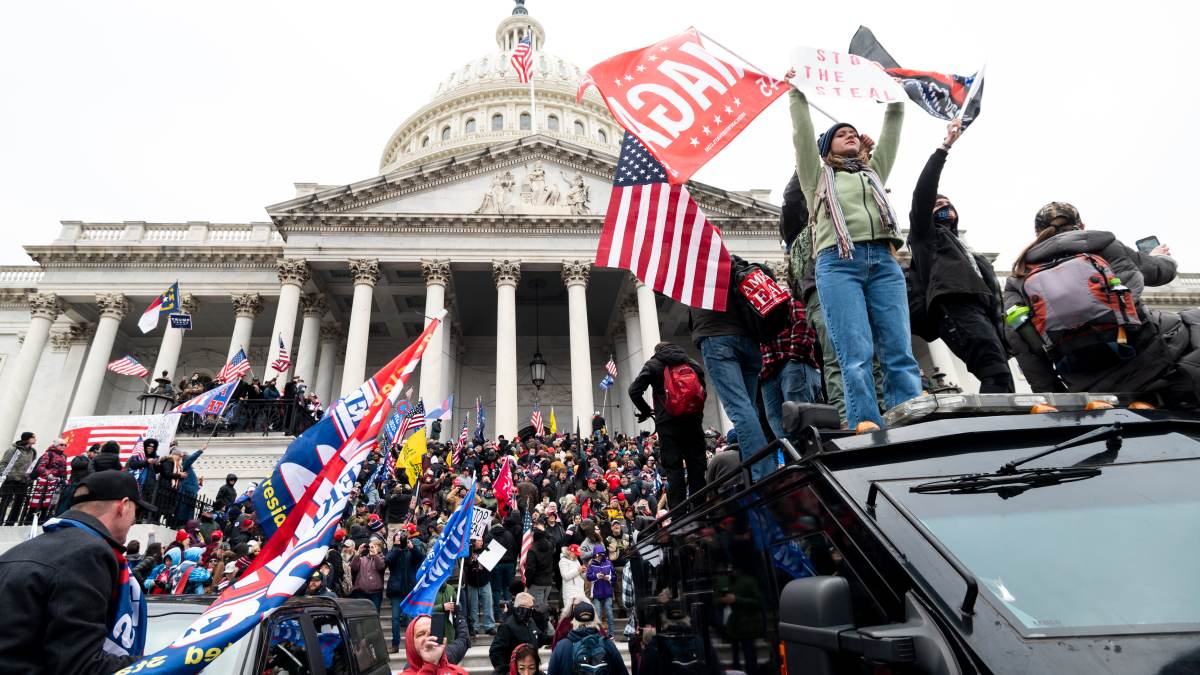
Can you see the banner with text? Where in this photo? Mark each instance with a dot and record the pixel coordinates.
(81, 432)
(843, 77)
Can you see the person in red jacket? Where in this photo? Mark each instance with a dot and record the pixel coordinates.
(426, 656)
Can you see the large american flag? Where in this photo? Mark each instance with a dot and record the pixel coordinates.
(238, 366)
(526, 541)
(128, 366)
(535, 419)
(281, 363)
(656, 231)
(522, 60)
(462, 444)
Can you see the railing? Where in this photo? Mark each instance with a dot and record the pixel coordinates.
(15, 274)
(20, 502)
(199, 232)
(255, 416)
(167, 233)
(102, 232)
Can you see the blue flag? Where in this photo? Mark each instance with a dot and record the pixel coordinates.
(607, 382)
(393, 423)
(454, 543)
(481, 421)
(211, 402)
(786, 553)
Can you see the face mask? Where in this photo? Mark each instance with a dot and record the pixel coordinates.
(522, 613)
(942, 216)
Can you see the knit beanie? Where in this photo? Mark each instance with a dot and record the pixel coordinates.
(825, 142)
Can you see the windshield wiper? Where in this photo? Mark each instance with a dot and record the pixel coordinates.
(1010, 480)
(1005, 485)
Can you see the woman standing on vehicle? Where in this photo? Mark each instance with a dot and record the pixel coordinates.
(855, 236)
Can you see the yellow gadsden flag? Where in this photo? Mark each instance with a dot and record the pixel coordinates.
(553, 422)
(411, 455)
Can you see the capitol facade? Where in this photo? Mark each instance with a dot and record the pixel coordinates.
(481, 206)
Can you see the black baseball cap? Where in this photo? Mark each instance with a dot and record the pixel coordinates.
(110, 485)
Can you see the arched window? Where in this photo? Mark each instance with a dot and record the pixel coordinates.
(470, 127)
(579, 128)
(552, 122)
(603, 136)
(497, 122)
(525, 121)
(424, 141)
(445, 133)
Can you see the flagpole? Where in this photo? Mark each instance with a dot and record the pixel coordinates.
(812, 105)
(533, 125)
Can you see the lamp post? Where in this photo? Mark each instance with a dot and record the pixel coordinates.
(537, 366)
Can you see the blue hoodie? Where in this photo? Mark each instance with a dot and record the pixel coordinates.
(197, 577)
(562, 658)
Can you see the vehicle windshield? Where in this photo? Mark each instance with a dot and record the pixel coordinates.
(164, 628)
(1113, 554)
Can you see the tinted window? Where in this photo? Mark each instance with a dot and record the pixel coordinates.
(287, 649)
(332, 642)
(1115, 553)
(367, 643)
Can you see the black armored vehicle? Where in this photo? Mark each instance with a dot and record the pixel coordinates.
(998, 533)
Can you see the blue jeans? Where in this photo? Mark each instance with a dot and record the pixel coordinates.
(502, 576)
(733, 363)
(866, 312)
(398, 623)
(796, 381)
(604, 609)
(477, 597)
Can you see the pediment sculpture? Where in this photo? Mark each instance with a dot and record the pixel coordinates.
(536, 193)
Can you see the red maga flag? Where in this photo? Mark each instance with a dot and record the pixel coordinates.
(656, 231)
(680, 100)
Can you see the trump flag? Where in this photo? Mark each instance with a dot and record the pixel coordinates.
(682, 101)
(301, 540)
(454, 543)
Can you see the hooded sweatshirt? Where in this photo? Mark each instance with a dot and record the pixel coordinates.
(416, 665)
(665, 354)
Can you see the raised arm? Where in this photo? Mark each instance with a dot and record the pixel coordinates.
(884, 156)
(920, 217)
(804, 141)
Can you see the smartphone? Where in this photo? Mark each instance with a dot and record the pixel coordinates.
(437, 627)
(1147, 244)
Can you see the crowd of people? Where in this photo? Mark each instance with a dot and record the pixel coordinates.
(255, 405)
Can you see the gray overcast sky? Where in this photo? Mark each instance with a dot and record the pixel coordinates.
(181, 111)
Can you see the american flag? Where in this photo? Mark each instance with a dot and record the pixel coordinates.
(611, 367)
(128, 366)
(284, 360)
(656, 231)
(415, 419)
(462, 444)
(522, 60)
(238, 366)
(535, 419)
(526, 542)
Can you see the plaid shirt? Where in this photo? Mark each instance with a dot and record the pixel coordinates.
(794, 343)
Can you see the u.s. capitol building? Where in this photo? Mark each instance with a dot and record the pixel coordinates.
(475, 208)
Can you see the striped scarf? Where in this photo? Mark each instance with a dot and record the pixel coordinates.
(826, 194)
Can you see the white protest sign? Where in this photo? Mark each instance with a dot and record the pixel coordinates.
(492, 555)
(481, 520)
(843, 77)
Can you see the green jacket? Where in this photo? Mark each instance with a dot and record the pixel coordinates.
(447, 593)
(853, 189)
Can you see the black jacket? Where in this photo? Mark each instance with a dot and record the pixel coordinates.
(707, 323)
(1161, 343)
(57, 593)
(106, 461)
(941, 264)
(665, 354)
(225, 496)
(541, 562)
(510, 634)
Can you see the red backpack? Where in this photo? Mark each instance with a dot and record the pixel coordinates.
(682, 392)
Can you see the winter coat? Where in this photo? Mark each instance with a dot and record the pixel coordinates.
(652, 376)
(106, 461)
(49, 473)
(941, 264)
(562, 658)
(59, 590)
(572, 580)
(511, 633)
(190, 483)
(1165, 340)
(539, 564)
(478, 576)
(402, 564)
(25, 456)
(417, 666)
(368, 573)
(601, 588)
(709, 323)
(502, 535)
(226, 495)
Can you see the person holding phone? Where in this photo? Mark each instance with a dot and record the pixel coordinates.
(1163, 352)
(426, 652)
(368, 568)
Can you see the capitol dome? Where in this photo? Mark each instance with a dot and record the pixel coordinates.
(483, 103)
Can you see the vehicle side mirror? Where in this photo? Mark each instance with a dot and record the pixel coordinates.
(814, 602)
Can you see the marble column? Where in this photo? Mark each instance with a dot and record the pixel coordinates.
(575, 275)
(113, 307)
(246, 308)
(44, 308)
(354, 367)
(637, 358)
(648, 318)
(626, 420)
(75, 343)
(314, 307)
(506, 274)
(433, 388)
(330, 334)
(293, 274)
(172, 342)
